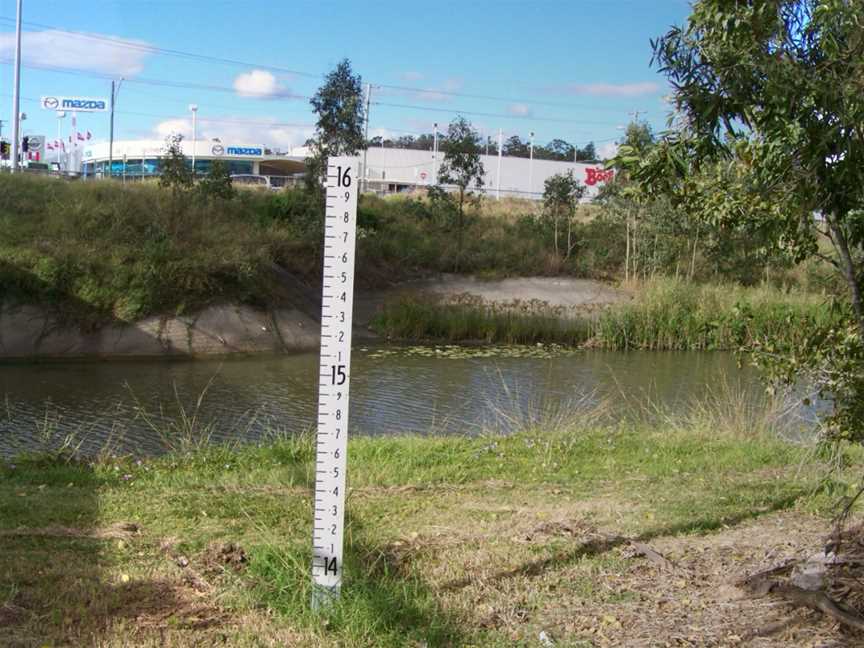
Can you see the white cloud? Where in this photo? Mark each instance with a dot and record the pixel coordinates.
(259, 84)
(610, 89)
(519, 110)
(171, 126)
(607, 150)
(80, 51)
(231, 132)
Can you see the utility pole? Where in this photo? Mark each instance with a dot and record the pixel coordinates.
(16, 90)
(435, 154)
(498, 175)
(531, 166)
(365, 177)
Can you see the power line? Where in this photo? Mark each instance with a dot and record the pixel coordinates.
(228, 89)
(152, 82)
(152, 49)
(533, 102)
(243, 122)
(496, 115)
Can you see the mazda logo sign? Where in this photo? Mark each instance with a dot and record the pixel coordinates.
(50, 103)
(217, 150)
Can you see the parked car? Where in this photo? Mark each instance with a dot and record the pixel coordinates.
(252, 180)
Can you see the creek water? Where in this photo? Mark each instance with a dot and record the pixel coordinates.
(143, 406)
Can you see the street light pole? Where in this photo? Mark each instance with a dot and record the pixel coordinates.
(194, 109)
(114, 93)
(111, 135)
(498, 178)
(365, 178)
(16, 90)
(531, 166)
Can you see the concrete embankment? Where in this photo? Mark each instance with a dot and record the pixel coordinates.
(35, 332)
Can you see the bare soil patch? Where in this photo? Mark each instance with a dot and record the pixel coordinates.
(692, 597)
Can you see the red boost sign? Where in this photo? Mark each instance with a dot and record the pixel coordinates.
(593, 176)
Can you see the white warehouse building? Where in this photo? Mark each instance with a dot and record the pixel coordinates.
(388, 170)
(404, 169)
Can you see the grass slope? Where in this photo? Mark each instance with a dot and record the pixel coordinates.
(451, 541)
(102, 250)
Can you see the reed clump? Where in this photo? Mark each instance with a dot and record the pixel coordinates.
(471, 319)
(671, 314)
(664, 314)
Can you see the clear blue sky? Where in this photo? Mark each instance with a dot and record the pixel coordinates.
(586, 64)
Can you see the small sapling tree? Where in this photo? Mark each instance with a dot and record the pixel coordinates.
(217, 182)
(463, 168)
(339, 131)
(561, 193)
(175, 173)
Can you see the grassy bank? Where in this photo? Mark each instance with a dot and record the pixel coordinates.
(102, 250)
(664, 314)
(451, 541)
(98, 250)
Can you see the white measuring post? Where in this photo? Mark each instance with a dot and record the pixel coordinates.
(334, 378)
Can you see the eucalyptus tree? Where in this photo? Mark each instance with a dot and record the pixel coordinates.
(768, 134)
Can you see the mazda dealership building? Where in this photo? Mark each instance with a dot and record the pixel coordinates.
(388, 170)
(141, 159)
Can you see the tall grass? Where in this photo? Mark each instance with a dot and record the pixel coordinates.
(669, 314)
(665, 314)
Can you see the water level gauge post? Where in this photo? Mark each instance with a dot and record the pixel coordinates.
(334, 379)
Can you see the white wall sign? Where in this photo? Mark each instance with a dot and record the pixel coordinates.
(74, 104)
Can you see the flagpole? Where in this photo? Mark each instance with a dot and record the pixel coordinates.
(60, 116)
(75, 141)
